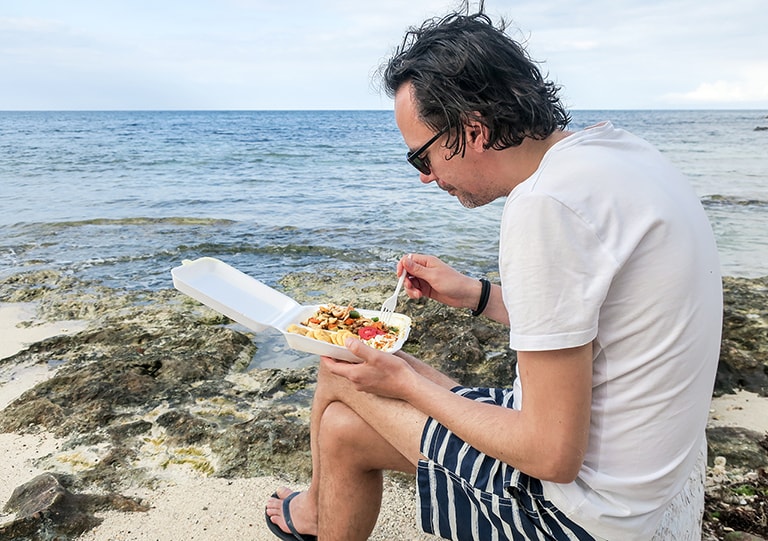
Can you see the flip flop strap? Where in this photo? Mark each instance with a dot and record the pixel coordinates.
(287, 516)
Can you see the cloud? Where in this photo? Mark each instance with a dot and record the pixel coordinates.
(581, 45)
(308, 54)
(750, 87)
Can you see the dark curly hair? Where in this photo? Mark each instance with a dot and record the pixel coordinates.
(462, 68)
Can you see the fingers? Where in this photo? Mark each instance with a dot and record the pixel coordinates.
(358, 348)
(343, 368)
(413, 288)
(349, 370)
(416, 284)
(417, 263)
(379, 373)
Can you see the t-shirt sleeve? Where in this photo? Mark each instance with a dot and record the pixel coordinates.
(555, 274)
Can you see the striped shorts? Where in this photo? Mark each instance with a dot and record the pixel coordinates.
(464, 494)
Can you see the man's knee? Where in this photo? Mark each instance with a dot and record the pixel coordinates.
(341, 428)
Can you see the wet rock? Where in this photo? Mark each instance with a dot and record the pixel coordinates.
(276, 381)
(741, 536)
(744, 349)
(158, 381)
(127, 430)
(740, 446)
(133, 368)
(183, 428)
(272, 443)
(30, 412)
(45, 509)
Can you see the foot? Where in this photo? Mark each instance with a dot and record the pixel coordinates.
(303, 512)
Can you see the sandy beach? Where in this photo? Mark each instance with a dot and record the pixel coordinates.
(189, 506)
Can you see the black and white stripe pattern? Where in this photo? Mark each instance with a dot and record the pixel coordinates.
(467, 495)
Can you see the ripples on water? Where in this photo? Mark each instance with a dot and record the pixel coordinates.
(124, 196)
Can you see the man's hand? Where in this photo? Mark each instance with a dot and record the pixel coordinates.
(428, 276)
(379, 373)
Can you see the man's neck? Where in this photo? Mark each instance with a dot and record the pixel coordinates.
(523, 160)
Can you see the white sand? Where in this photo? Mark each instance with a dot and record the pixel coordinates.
(202, 509)
(19, 327)
(744, 409)
(190, 507)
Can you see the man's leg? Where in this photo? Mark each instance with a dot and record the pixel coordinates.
(354, 436)
(352, 459)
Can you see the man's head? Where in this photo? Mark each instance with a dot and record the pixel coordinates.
(464, 70)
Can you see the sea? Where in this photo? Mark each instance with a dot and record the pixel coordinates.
(122, 197)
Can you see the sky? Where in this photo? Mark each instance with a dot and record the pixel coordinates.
(323, 54)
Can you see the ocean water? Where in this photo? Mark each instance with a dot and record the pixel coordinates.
(122, 197)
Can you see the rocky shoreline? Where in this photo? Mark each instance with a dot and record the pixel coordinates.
(156, 382)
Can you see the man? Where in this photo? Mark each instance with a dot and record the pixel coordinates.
(611, 289)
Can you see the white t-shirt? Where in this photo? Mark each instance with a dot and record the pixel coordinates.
(607, 243)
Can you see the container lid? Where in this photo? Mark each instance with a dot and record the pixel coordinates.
(233, 293)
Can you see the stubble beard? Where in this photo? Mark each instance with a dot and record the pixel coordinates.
(472, 201)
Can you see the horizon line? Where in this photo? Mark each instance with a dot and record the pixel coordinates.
(248, 110)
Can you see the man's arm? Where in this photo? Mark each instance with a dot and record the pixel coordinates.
(495, 308)
(428, 276)
(546, 439)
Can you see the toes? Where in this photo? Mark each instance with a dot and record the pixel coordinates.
(282, 493)
(274, 505)
(276, 508)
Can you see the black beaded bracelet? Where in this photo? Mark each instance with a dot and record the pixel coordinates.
(485, 294)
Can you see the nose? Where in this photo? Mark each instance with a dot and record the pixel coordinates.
(426, 179)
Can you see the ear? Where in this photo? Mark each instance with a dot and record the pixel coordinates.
(477, 135)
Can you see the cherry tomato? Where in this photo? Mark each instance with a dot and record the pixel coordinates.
(366, 333)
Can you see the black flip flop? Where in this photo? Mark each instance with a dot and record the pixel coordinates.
(275, 529)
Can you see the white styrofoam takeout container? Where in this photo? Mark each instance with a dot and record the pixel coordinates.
(257, 306)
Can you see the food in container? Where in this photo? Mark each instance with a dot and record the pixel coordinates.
(257, 306)
(334, 324)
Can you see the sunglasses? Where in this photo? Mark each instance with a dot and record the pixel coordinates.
(415, 159)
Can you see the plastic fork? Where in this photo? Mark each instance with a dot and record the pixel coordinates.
(389, 305)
